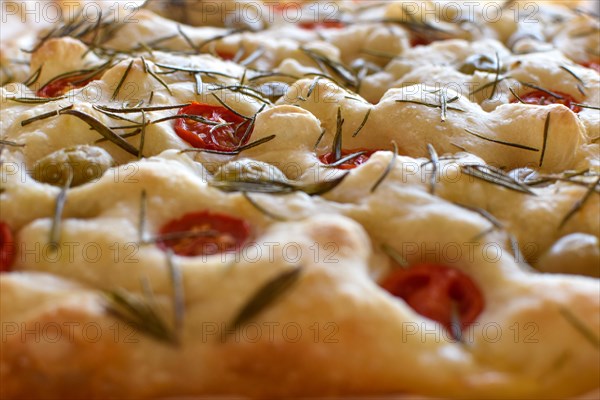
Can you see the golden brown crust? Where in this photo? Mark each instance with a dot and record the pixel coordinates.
(335, 331)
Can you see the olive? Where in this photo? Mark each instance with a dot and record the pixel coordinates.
(478, 62)
(86, 163)
(249, 170)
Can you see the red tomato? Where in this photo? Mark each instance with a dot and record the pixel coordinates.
(595, 65)
(329, 158)
(58, 87)
(542, 98)
(211, 137)
(204, 233)
(419, 40)
(7, 248)
(225, 55)
(431, 290)
(327, 24)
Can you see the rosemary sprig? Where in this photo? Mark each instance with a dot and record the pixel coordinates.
(142, 217)
(343, 160)
(34, 77)
(142, 136)
(388, 169)
(4, 142)
(443, 106)
(103, 130)
(141, 314)
(124, 136)
(323, 131)
(228, 107)
(336, 147)
(516, 145)
(121, 81)
(422, 103)
(487, 85)
(435, 161)
(495, 176)
(363, 123)
(273, 186)
(265, 296)
(139, 109)
(218, 37)
(545, 138)
(580, 327)
(255, 55)
(312, 87)
(541, 89)
(325, 63)
(577, 206)
(262, 209)
(193, 70)
(187, 39)
(586, 106)
(35, 100)
(177, 293)
(59, 206)
(40, 117)
(153, 74)
(516, 95)
(497, 77)
(395, 255)
(232, 152)
(581, 83)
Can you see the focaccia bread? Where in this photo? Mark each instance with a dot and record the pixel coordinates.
(358, 199)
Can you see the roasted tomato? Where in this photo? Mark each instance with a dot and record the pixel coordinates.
(434, 290)
(419, 40)
(7, 247)
(204, 233)
(225, 55)
(217, 128)
(329, 158)
(542, 98)
(60, 86)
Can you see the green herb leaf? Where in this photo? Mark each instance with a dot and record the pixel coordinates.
(516, 145)
(363, 123)
(546, 129)
(103, 130)
(141, 314)
(395, 255)
(495, 176)
(577, 206)
(120, 84)
(388, 169)
(580, 327)
(59, 206)
(265, 296)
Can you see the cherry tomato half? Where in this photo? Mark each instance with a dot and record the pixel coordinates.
(7, 247)
(419, 40)
(432, 290)
(204, 233)
(542, 98)
(60, 86)
(329, 158)
(225, 55)
(327, 24)
(226, 132)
